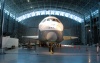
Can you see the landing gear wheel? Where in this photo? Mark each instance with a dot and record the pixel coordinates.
(51, 50)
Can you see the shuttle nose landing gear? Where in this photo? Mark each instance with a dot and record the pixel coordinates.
(51, 48)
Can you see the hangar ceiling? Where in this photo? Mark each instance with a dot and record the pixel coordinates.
(78, 7)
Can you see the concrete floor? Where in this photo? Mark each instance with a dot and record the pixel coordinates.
(73, 54)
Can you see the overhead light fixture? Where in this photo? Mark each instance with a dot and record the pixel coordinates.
(28, 0)
(89, 30)
(31, 7)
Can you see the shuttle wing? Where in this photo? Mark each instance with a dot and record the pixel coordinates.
(69, 37)
(33, 37)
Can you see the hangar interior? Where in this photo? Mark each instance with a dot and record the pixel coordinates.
(81, 18)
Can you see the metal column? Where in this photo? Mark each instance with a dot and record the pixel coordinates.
(1, 26)
(85, 31)
(91, 30)
(99, 23)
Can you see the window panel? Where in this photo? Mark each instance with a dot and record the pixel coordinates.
(50, 12)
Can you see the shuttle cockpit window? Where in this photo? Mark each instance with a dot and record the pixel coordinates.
(48, 19)
(55, 20)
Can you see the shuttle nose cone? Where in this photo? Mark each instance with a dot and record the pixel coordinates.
(51, 36)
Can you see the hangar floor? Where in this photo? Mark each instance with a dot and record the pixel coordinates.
(72, 54)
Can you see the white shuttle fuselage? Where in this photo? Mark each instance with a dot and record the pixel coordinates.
(51, 30)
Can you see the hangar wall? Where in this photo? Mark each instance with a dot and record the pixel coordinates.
(10, 27)
(92, 30)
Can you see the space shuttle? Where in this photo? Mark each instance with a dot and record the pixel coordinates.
(51, 30)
